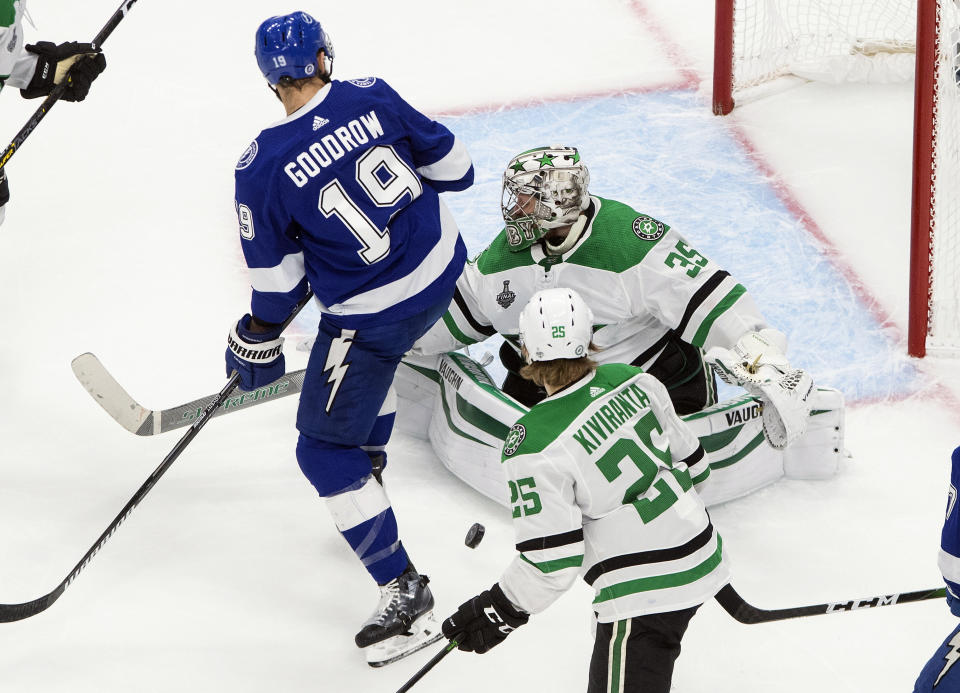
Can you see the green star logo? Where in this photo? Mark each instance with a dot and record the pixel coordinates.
(545, 160)
(517, 167)
(576, 157)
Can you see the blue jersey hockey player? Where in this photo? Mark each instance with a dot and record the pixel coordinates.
(343, 196)
(940, 675)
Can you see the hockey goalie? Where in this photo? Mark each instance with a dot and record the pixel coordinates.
(658, 304)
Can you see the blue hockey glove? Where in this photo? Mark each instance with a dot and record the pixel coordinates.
(257, 357)
(484, 622)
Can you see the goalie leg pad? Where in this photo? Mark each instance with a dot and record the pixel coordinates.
(817, 454)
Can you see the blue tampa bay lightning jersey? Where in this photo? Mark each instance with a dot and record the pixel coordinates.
(940, 675)
(949, 558)
(343, 194)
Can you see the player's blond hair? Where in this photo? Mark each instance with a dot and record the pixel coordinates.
(559, 372)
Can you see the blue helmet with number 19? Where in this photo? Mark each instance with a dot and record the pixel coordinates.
(287, 46)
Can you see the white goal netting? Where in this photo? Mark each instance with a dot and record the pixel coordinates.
(872, 41)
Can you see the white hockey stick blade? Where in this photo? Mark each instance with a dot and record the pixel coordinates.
(108, 394)
(137, 419)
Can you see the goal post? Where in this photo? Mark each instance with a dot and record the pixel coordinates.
(758, 42)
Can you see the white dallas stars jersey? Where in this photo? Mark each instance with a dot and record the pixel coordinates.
(640, 277)
(601, 477)
(16, 65)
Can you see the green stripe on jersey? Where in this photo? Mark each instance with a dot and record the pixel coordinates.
(8, 14)
(612, 244)
(499, 258)
(455, 330)
(549, 419)
(700, 338)
(660, 582)
(556, 564)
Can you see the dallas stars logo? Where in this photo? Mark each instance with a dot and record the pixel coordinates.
(648, 228)
(514, 438)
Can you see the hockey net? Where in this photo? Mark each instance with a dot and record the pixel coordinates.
(763, 45)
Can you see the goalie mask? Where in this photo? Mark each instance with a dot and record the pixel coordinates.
(556, 324)
(543, 189)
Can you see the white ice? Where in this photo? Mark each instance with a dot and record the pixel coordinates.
(121, 240)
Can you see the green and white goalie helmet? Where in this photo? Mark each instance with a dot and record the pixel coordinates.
(543, 189)
(556, 324)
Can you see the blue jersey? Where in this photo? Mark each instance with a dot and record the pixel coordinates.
(949, 559)
(343, 194)
(939, 675)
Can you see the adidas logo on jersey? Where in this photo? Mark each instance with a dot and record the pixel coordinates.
(319, 122)
(595, 391)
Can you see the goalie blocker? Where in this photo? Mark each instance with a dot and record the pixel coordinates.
(453, 402)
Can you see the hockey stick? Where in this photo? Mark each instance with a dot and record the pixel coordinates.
(16, 612)
(136, 418)
(447, 649)
(58, 89)
(736, 606)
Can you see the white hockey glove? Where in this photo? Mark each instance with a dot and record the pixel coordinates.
(757, 363)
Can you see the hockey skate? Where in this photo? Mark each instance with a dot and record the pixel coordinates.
(403, 622)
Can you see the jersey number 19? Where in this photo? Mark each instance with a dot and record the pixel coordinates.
(385, 178)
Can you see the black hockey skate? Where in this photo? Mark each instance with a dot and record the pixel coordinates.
(403, 622)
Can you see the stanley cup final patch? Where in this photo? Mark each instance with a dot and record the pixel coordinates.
(648, 228)
(506, 297)
(514, 437)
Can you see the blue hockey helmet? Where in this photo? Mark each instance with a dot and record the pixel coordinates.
(287, 46)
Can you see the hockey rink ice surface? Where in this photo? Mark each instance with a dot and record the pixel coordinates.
(120, 239)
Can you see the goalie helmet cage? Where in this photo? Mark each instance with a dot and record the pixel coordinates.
(758, 41)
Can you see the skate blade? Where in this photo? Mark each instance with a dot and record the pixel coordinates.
(423, 632)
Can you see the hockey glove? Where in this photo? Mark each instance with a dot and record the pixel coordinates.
(483, 622)
(53, 63)
(257, 357)
(4, 194)
(757, 363)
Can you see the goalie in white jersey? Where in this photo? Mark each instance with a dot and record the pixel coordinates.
(603, 477)
(659, 303)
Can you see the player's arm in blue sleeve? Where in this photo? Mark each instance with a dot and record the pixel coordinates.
(269, 241)
(438, 155)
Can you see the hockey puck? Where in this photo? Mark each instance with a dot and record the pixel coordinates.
(474, 535)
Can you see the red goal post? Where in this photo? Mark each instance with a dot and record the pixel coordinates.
(758, 42)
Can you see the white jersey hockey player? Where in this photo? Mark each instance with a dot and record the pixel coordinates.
(603, 476)
(658, 303)
(35, 69)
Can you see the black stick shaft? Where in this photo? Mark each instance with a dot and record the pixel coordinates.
(58, 89)
(16, 612)
(736, 606)
(448, 648)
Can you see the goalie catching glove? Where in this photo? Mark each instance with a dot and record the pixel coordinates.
(757, 363)
(484, 622)
(256, 356)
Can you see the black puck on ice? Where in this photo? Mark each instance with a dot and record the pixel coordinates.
(474, 535)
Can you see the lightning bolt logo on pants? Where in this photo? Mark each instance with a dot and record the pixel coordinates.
(336, 356)
(951, 657)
